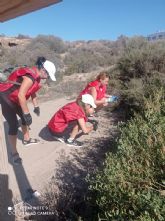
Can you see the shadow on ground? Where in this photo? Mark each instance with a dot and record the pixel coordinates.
(6, 197)
(45, 134)
(19, 205)
(68, 187)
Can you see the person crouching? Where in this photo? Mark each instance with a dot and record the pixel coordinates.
(70, 119)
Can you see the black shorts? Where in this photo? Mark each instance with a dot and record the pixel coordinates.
(10, 110)
(67, 130)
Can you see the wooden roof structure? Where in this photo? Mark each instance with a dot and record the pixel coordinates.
(13, 8)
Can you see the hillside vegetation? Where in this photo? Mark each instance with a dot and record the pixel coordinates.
(130, 185)
(69, 57)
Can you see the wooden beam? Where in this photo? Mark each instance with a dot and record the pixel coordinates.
(13, 8)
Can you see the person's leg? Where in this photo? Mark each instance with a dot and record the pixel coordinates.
(14, 153)
(71, 141)
(74, 132)
(8, 111)
(68, 135)
(57, 136)
(25, 130)
(24, 127)
(26, 136)
(13, 143)
(11, 118)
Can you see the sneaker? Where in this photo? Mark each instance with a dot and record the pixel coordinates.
(16, 159)
(74, 143)
(30, 193)
(30, 142)
(61, 139)
(36, 193)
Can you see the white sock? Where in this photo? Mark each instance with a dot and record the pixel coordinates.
(70, 139)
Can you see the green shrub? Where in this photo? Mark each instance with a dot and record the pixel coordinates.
(130, 186)
(142, 58)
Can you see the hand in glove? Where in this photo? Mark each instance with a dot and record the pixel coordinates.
(112, 98)
(28, 119)
(37, 111)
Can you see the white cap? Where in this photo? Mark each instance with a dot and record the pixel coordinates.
(88, 99)
(50, 68)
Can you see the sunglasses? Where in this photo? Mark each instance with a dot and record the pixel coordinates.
(46, 73)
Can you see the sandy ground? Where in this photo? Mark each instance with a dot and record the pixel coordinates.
(52, 159)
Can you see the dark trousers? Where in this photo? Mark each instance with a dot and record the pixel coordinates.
(66, 132)
(10, 110)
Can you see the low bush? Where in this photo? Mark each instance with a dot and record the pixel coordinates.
(142, 58)
(131, 185)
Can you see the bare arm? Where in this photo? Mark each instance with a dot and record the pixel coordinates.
(26, 84)
(83, 126)
(34, 100)
(107, 95)
(94, 95)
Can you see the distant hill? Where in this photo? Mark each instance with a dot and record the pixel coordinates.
(69, 57)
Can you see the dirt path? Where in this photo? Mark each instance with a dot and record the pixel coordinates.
(54, 160)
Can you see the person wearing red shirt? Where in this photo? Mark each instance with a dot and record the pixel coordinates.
(22, 84)
(67, 121)
(97, 89)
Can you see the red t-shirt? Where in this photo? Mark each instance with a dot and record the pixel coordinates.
(100, 89)
(66, 114)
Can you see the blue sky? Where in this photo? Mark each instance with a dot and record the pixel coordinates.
(91, 20)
